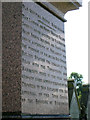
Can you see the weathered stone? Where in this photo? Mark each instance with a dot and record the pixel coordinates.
(34, 74)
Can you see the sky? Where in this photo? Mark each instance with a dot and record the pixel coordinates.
(76, 35)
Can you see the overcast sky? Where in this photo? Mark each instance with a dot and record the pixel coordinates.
(76, 33)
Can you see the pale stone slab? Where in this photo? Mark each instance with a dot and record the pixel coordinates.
(44, 75)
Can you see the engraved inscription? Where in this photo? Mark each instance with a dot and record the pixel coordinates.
(44, 74)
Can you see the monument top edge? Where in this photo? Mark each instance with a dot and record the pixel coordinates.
(79, 1)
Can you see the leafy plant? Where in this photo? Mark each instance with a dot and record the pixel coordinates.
(78, 82)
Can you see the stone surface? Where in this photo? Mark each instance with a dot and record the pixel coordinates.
(44, 75)
(74, 106)
(11, 57)
(67, 6)
(34, 74)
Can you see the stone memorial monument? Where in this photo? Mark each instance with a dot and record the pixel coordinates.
(74, 105)
(34, 74)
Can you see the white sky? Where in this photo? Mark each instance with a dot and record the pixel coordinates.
(76, 34)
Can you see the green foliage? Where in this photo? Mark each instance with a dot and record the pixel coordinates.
(77, 77)
(79, 95)
(78, 82)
